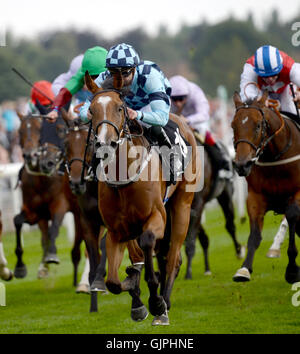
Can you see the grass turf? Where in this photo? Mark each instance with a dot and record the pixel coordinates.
(205, 304)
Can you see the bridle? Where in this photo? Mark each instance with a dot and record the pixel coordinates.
(124, 131)
(265, 139)
(85, 165)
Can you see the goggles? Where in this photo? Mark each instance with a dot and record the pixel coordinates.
(125, 72)
(178, 98)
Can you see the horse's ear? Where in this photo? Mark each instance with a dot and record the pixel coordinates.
(92, 87)
(61, 131)
(237, 99)
(263, 98)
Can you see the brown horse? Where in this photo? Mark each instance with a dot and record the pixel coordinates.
(267, 154)
(84, 187)
(134, 209)
(5, 273)
(45, 198)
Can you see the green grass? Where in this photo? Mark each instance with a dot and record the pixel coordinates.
(206, 304)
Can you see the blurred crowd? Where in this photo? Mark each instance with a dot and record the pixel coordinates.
(10, 150)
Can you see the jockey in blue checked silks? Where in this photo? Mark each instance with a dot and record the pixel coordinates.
(149, 100)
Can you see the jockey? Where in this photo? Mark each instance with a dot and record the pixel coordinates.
(273, 70)
(189, 101)
(38, 102)
(93, 61)
(150, 99)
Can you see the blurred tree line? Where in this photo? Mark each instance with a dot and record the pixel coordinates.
(210, 55)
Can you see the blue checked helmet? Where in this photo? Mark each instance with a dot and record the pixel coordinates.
(268, 61)
(122, 56)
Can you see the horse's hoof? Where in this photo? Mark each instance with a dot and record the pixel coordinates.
(114, 288)
(273, 253)
(99, 286)
(242, 275)
(162, 320)
(51, 258)
(43, 273)
(292, 275)
(6, 274)
(139, 314)
(20, 272)
(83, 289)
(157, 307)
(208, 272)
(242, 253)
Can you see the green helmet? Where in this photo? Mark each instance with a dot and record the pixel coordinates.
(94, 61)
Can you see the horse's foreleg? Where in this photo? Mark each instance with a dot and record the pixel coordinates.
(225, 201)
(274, 251)
(132, 282)
(115, 253)
(43, 267)
(153, 229)
(190, 242)
(98, 282)
(56, 220)
(75, 253)
(292, 274)
(203, 238)
(256, 211)
(20, 268)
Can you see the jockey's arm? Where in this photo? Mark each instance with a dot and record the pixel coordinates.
(295, 79)
(159, 101)
(84, 110)
(248, 75)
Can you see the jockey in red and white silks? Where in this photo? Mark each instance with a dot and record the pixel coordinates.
(273, 70)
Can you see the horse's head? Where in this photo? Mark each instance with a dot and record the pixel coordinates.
(75, 137)
(29, 133)
(108, 113)
(249, 128)
(50, 159)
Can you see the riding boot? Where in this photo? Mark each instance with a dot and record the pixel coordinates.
(219, 159)
(163, 140)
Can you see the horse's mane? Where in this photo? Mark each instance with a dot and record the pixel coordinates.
(108, 84)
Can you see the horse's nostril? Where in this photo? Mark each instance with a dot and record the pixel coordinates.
(50, 164)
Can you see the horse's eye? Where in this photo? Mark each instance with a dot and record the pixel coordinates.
(120, 109)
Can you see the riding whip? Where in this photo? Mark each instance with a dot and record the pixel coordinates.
(30, 84)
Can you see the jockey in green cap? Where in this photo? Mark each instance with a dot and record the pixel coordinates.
(93, 61)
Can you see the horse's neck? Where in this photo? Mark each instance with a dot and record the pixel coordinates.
(279, 141)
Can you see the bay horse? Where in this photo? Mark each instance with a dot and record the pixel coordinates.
(5, 273)
(85, 188)
(45, 197)
(222, 190)
(134, 209)
(267, 153)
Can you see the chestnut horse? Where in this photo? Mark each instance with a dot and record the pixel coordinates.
(267, 154)
(5, 273)
(134, 209)
(46, 198)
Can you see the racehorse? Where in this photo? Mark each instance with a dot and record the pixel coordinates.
(5, 273)
(222, 190)
(133, 209)
(267, 153)
(46, 198)
(84, 187)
